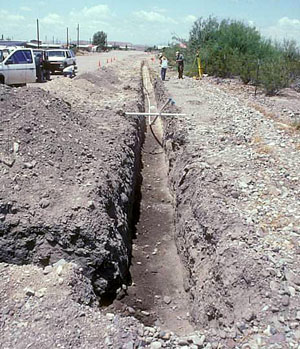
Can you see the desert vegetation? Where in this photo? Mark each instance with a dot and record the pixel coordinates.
(231, 48)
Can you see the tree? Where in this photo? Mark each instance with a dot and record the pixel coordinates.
(100, 39)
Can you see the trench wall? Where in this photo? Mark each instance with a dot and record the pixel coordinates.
(224, 275)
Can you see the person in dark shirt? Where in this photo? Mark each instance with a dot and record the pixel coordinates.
(39, 66)
(180, 64)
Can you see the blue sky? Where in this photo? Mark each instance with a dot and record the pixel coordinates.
(141, 21)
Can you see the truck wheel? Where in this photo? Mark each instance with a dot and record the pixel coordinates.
(2, 80)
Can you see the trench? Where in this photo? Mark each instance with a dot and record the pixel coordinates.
(156, 295)
(155, 292)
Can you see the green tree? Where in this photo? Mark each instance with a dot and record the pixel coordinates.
(100, 39)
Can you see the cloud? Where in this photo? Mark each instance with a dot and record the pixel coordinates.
(285, 28)
(5, 16)
(158, 9)
(96, 14)
(25, 9)
(52, 19)
(288, 23)
(190, 19)
(153, 17)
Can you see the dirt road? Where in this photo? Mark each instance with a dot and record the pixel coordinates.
(92, 62)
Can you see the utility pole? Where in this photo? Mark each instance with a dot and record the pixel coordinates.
(78, 37)
(67, 37)
(38, 32)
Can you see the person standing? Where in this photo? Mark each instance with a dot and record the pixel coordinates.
(46, 66)
(164, 67)
(39, 67)
(180, 64)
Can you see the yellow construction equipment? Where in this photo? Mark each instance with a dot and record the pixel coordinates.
(199, 67)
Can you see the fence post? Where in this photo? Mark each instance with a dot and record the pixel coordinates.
(257, 75)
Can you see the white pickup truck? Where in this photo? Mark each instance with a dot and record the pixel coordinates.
(18, 68)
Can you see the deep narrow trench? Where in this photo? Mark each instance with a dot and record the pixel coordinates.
(156, 295)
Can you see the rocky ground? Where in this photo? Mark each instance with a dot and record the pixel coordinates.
(234, 170)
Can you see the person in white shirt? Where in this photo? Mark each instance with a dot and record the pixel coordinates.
(164, 67)
(69, 71)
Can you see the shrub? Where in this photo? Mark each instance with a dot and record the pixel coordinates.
(274, 75)
(230, 48)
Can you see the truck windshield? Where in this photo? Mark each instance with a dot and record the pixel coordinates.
(56, 54)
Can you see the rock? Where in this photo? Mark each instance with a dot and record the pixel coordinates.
(91, 205)
(249, 315)
(297, 334)
(182, 342)
(128, 345)
(47, 270)
(198, 340)
(16, 147)
(29, 291)
(145, 313)
(108, 341)
(292, 277)
(131, 310)
(167, 300)
(44, 203)
(208, 346)
(59, 270)
(41, 292)
(7, 161)
(110, 316)
(285, 301)
(60, 262)
(165, 335)
(30, 165)
(155, 345)
(268, 331)
(193, 346)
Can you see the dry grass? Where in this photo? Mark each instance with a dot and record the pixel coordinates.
(260, 146)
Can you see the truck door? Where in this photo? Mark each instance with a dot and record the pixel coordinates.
(20, 67)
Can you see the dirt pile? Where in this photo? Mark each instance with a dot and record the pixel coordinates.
(67, 186)
(237, 226)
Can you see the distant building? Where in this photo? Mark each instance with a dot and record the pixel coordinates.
(35, 44)
(161, 47)
(120, 44)
(21, 43)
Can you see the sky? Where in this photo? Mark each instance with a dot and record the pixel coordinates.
(141, 21)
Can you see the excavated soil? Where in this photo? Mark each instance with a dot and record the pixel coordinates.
(234, 170)
(67, 186)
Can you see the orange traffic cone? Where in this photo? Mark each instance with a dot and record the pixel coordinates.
(111, 60)
(99, 64)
